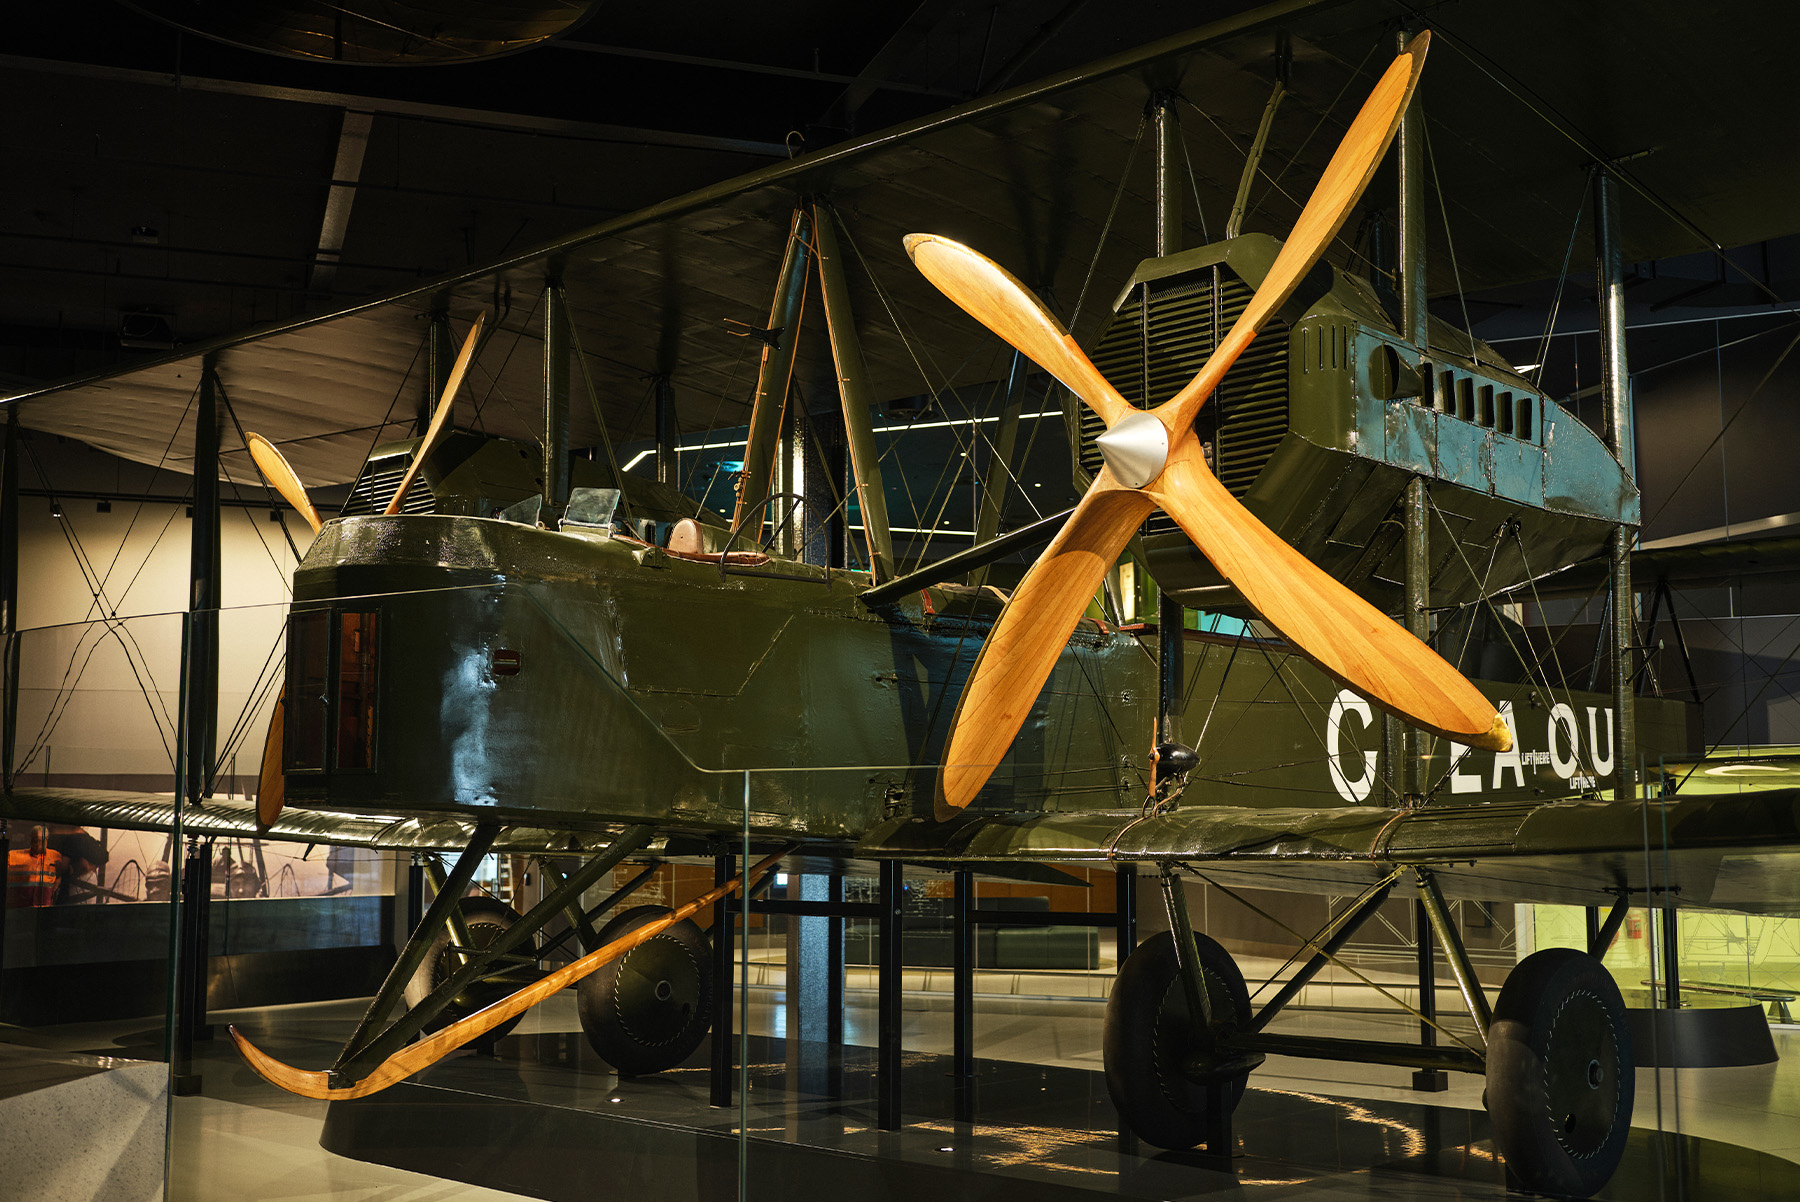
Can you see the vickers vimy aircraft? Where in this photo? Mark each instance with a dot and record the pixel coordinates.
(484, 655)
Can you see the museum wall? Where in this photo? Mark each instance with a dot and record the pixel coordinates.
(88, 662)
(98, 706)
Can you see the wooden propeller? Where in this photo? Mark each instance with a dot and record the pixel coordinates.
(440, 416)
(271, 788)
(282, 478)
(1154, 460)
(271, 783)
(429, 1051)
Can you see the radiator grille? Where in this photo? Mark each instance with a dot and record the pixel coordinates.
(1250, 408)
(375, 488)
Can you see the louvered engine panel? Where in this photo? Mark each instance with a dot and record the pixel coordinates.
(375, 488)
(1149, 367)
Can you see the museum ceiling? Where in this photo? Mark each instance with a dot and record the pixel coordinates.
(168, 191)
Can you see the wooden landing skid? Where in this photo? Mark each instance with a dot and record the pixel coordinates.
(429, 1051)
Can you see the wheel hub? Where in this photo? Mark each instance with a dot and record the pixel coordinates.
(658, 991)
(1579, 1081)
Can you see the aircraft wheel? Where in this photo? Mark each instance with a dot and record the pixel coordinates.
(1149, 1036)
(648, 1010)
(487, 919)
(1560, 1080)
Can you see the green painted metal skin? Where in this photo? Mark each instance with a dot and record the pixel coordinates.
(1329, 414)
(648, 683)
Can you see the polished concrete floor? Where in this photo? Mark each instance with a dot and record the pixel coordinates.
(242, 1139)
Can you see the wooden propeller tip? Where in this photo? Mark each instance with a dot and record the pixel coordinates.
(913, 242)
(1498, 738)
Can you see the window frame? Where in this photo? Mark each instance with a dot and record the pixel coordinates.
(328, 740)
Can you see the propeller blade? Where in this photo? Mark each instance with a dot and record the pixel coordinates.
(1338, 190)
(1032, 631)
(283, 479)
(271, 785)
(991, 295)
(440, 416)
(1349, 639)
(433, 1048)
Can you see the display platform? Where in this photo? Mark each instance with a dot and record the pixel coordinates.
(546, 1118)
(75, 1127)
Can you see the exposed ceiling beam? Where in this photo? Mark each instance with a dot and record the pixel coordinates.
(353, 141)
(725, 64)
(892, 57)
(449, 114)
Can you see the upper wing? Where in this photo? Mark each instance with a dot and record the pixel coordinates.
(1028, 174)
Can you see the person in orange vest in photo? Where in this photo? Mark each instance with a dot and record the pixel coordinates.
(33, 873)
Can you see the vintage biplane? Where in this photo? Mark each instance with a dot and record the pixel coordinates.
(496, 647)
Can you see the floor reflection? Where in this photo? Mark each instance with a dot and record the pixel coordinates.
(1043, 1127)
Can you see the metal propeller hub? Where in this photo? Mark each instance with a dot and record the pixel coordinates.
(1136, 448)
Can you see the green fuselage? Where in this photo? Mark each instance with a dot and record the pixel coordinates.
(582, 681)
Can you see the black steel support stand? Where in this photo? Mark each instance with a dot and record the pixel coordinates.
(723, 994)
(834, 989)
(199, 731)
(833, 910)
(9, 630)
(190, 964)
(1221, 1143)
(888, 983)
(1125, 911)
(962, 1004)
(5, 850)
(1671, 958)
(1427, 1080)
(9, 599)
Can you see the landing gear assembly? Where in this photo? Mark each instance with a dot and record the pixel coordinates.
(649, 1010)
(1159, 1087)
(1181, 1040)
(483, 920)
(1560, 1078)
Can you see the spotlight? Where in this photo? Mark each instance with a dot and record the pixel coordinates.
(274, 515)
(55, 508)
(102, 506)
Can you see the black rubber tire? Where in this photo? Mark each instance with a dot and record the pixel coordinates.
(486, 919)
(1148, 1034)
(1560, 1077)
(649, 1010)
